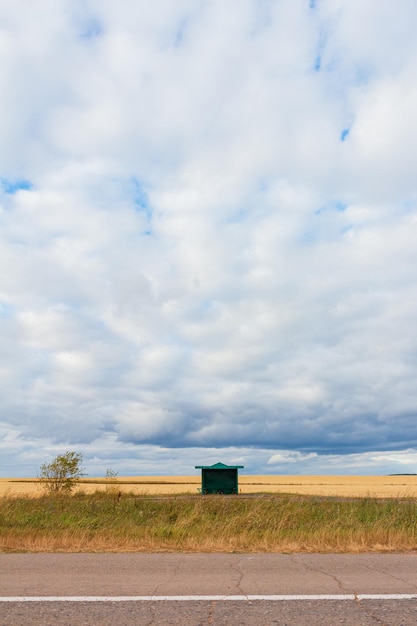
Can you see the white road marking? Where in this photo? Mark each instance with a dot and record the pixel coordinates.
(249, 597)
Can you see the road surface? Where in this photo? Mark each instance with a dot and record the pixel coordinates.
(202, 589)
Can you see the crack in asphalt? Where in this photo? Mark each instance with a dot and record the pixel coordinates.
(170, 575)
(240, 573)
(152, 615)
(210, 618)
(368, 612)
(317, 569)
(391, 575)
(359, 602)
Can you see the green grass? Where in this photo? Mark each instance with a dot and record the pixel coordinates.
(100, 522)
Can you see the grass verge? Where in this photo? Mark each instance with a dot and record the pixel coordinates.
(101, 523)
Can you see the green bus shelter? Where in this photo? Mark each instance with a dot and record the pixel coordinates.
(219, 478)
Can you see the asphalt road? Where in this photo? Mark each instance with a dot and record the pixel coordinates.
(201, 589)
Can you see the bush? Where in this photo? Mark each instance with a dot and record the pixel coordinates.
(61, 475)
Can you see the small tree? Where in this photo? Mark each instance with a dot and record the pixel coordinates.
(112, 485)
(111, 481)
(62, 473)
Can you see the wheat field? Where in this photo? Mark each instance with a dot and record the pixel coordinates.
(397, 486)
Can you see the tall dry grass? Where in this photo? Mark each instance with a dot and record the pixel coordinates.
(102, 522)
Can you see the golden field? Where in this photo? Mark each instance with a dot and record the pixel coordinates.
(344, 486)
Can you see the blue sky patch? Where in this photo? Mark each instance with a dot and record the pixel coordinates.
(344, 134)
(6, 310)
(363, 75)
(140, 198)
(337, 205)
(263, 186)
(320, 49)
(12, 186)
(92, 29)
(180, 33)
(261, 16)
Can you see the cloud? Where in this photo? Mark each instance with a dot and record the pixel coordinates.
(207, 232)
(290, 457)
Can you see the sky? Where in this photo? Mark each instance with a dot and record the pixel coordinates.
(208, 227)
